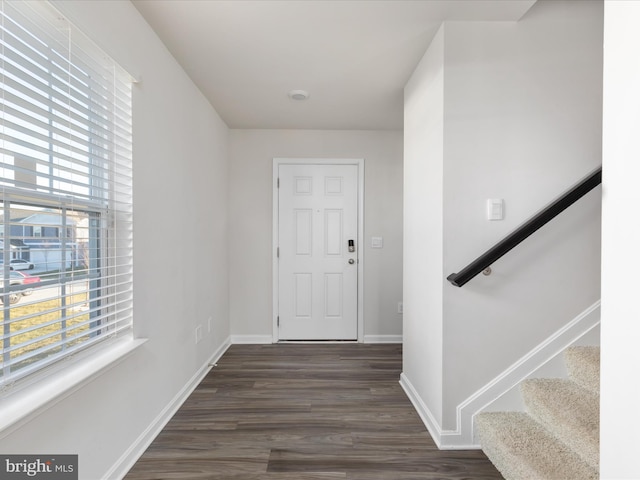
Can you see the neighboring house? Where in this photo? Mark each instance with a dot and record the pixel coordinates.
(43, 229)
(41, 239)
(18, 249)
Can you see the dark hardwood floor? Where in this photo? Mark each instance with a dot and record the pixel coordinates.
(303, 412)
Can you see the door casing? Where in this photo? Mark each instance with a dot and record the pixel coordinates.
(359, 162)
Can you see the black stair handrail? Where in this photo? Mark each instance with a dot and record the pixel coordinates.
(485, 260)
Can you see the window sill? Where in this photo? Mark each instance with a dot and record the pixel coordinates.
(25, 403)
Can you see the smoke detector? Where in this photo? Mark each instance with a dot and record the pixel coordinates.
(298, 94)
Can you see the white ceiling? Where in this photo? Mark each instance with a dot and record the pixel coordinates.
(352, 56)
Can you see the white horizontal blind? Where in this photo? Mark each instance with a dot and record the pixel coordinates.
(66, 191)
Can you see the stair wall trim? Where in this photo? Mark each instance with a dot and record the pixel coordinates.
(439, 436)
(463, 438)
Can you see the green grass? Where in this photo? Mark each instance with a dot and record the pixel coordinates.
(44, 312)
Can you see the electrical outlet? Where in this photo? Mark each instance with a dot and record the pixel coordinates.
(198, 333)
(400, 308)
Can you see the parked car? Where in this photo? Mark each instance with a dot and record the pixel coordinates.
(26, 279)
(14, 297)
(20, 264)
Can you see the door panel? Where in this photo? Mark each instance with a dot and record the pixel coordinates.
(333, 236)
(317, 216)
(303, 298)
(303, 231)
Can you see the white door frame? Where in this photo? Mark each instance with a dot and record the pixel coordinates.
(359, 162)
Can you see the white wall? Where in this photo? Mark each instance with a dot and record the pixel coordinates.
(180, 214)
(522, 122)
(423, 226)
(250, 220)
(620, 355)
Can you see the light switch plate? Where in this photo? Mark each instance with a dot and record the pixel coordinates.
(495, 209)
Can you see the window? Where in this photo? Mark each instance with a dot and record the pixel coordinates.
(65, 192)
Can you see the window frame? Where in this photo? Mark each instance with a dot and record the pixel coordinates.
(106, 199)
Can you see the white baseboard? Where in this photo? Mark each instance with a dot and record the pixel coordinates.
(383, 339)
(442, 438)
(463, 438)
(251, 339)
(135, 451)
(423, 411)
(266, 339)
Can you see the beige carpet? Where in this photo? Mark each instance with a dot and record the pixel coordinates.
(557, 438)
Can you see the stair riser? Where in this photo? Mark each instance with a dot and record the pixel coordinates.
(558, 436)
(568, 411)
(583, 366)
(521, 449)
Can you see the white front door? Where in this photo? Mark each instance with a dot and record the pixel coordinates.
(318, 252)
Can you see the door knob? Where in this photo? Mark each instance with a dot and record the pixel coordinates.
(351, 261)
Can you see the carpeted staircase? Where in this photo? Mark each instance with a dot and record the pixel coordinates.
(558, 436)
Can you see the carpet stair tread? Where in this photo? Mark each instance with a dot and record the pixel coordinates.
(583, 366)
(522, 449)
(558, 436)
(568, 411)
